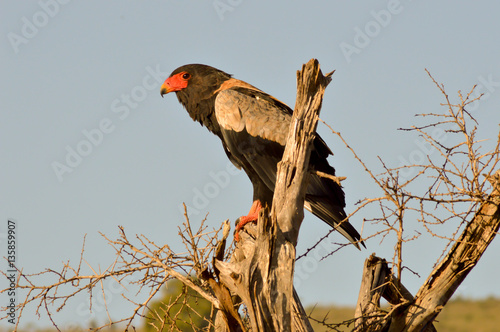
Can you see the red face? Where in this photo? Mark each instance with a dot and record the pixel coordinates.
(176, 82)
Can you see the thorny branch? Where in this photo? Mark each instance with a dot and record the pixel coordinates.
(140, 265)
(447, 186)
(459, 175)
(457, 171)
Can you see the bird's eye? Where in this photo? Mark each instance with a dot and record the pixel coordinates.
(186, 76)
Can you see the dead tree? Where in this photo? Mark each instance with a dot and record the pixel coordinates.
(260, 272)
(257, 273)
(416, 313)
(465, 184)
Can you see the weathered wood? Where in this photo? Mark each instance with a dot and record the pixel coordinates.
(245, 250)
(377, 282)
(292, 176)
(300, 321)
(417, 313)
(454, 268)
(369, 316)
(227, 318)
(261, 269)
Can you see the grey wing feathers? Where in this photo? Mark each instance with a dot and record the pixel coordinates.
(255, 127)
(237, 111)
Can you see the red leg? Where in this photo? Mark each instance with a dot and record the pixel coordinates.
(253, 215)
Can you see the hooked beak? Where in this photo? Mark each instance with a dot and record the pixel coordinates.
(165, 88)
(173, 84)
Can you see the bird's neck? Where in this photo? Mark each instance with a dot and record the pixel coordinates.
(203, 111)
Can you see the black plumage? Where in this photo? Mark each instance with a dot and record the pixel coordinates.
(253, 127)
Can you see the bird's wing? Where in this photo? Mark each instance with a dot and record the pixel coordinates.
(261, 116)
(255, 126)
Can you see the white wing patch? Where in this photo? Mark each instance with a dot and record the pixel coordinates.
(227, 112)
(237, 111)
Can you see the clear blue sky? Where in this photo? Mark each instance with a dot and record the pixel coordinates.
(69, 67)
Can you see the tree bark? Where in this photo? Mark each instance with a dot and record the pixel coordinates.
(377, 282)
(261, 269)
(369, 316)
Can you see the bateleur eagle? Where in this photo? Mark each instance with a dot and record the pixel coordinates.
(253, 128)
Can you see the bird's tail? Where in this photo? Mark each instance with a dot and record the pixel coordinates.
(325, 199)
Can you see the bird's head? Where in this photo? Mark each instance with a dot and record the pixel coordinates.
(194, 79)
(175, 82)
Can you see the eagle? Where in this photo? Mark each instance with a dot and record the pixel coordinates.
(253, 127)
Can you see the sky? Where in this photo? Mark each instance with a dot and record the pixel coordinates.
(88, 144)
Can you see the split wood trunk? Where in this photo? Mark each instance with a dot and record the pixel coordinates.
(261, 270)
